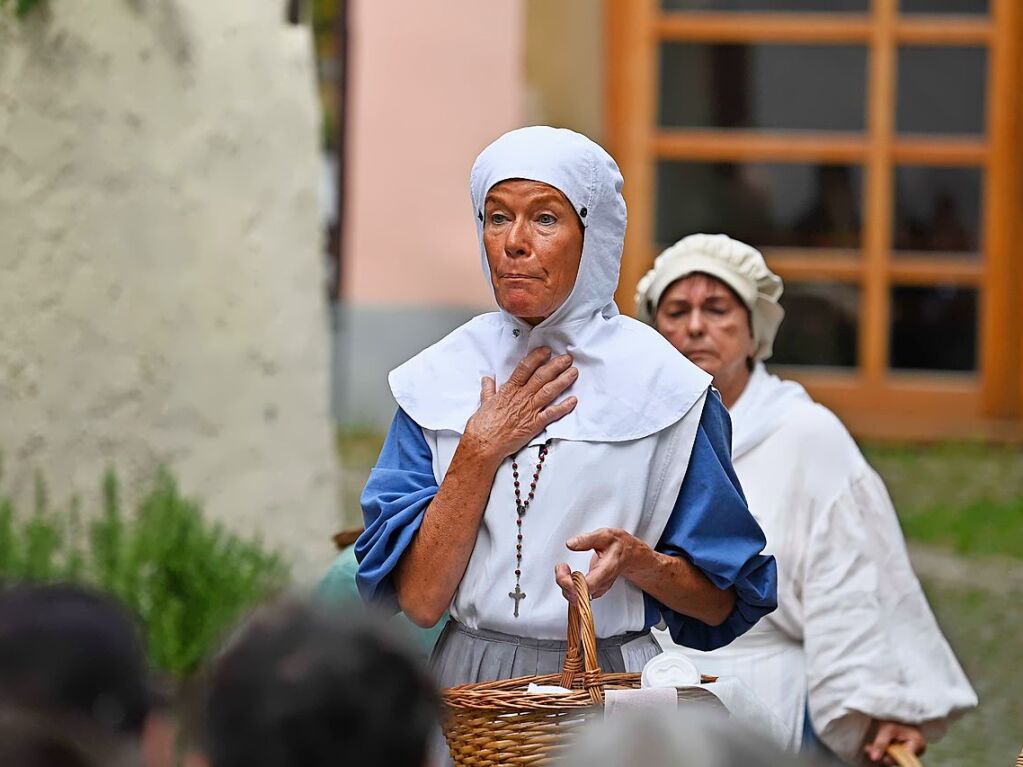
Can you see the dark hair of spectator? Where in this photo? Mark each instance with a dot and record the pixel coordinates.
(301, 685)
(33, 739)
(67, 649)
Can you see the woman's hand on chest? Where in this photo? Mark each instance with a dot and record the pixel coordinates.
(510, 416)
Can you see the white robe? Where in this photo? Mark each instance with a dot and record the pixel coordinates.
(583, 486)
(853, 637)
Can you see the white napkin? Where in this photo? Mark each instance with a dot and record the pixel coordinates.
(745, 707)
(533, 689)
(671, 669)
(644, 700)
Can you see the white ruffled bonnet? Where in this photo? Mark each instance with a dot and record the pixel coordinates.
(738, 265)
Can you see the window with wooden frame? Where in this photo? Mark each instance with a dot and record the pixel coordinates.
(871, 149)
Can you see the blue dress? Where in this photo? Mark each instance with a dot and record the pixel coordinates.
(710, 526)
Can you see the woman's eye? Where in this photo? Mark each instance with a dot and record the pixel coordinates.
(498, 218)
(546, 219)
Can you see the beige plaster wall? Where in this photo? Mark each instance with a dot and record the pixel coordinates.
(161, 285)
(565, 64)
(430, 85)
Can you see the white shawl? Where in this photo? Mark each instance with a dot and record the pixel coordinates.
(762, 408)
(632, 383)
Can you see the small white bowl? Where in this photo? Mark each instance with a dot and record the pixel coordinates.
(670, 669)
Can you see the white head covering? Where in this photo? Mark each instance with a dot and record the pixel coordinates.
(738, 265)
(632, 382)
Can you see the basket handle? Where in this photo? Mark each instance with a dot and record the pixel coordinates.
(581, 655)
(902, 756)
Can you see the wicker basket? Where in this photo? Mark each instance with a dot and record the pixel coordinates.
(499, 723)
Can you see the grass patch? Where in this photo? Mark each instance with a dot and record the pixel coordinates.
(358, 448)
(967, 497)
(982, 628)
(981, 527)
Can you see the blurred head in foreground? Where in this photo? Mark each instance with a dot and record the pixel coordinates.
(32, 738)
(73, 651)
(301, 685)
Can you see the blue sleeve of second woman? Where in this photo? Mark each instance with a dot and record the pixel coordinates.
(398, 490)
(712, 527)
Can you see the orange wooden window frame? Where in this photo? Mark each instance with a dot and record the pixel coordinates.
(635, 31)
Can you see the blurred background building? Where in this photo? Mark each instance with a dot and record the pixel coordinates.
(871, 148)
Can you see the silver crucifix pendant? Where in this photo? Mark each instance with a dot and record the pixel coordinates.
(518, 595)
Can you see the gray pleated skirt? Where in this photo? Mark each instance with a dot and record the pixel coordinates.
(463, 656)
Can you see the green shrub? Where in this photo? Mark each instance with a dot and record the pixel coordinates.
(21, 7)
(187, 579)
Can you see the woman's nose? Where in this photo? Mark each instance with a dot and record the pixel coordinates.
(517, 242)
(694, 323)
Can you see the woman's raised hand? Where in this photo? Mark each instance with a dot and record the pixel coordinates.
(613, 551)
(510, 416)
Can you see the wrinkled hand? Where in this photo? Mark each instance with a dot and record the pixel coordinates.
(613, 550)
(886, 733)
(510, 416)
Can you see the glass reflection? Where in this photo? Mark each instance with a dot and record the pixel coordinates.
(941, 90)
(944, 6)
(821, 325)
(764, 204)
(933, 328)
(938, 210)
(768, 86)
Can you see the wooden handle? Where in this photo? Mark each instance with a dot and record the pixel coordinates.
(582, 644)
(902, 756)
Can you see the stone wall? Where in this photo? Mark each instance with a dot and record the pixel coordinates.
(161, 283)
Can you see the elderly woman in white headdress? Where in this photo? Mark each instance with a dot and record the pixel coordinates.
(853, 644)
(557, 435)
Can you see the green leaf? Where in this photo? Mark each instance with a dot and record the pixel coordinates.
(188, 579)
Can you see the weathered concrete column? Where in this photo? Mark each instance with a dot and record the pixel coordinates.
(161, 278)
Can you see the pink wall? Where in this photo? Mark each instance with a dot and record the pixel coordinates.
(430, 85)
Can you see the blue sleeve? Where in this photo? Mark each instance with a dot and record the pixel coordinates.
(712, 527)
(398, 490)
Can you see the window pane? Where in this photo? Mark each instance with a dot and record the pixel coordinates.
(820, 325)
(773, 87)
(764, 204)
(937, 209)
(941, 90)
(933, 328)
(765, 5)
(944, 6)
